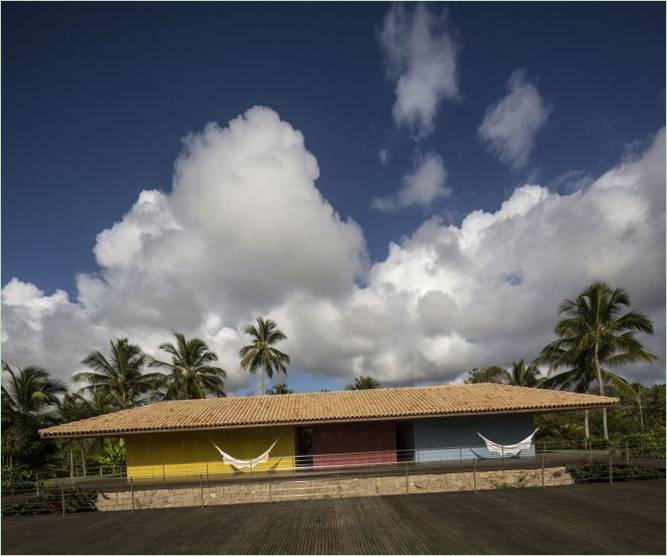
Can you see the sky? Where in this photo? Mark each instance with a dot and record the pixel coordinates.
(409, 190)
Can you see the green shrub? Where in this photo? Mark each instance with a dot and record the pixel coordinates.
(599, 472)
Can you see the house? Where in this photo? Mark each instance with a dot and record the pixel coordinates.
(357, 427)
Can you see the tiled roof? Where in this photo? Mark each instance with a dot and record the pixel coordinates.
(321, 407)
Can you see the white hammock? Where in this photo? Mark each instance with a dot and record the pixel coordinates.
(241, 463)
(508, 450)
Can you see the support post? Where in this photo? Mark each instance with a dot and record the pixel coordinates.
(201, 488)
(83, 459)
(338, 480)
(37, 483)
(100, 470)
(460, 457)
(474, 475)
(132, 492)
(207, 471)
(542, 469)
(627, 453)
(502, 455)
(164, 475)
(407, 480)
(611, 472)
(62, 498)
(270, 500)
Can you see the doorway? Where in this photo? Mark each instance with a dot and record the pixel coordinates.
(304, 447)
(405, 441)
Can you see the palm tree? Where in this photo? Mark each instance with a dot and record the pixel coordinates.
(637, 388)
(191, 374)
(593, 331)
(30, 391)
(96, 403)
(493, 374)
(529, 376)
(75, 406)
(120, 375)
(363, 383)
(578, 375)
(261, 354)
(280, 389)
(28, 395)
(71, 408)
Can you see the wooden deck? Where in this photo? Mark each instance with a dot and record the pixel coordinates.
(624, 518)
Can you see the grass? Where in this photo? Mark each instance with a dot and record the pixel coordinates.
(573, 452)
(53, 481)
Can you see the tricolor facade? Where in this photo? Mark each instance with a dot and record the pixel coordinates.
(174, 439)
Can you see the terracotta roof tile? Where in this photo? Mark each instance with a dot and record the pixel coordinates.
(320, 407)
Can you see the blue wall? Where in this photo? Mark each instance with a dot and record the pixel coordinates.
(451, 438)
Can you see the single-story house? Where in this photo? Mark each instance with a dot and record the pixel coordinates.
(190, 437)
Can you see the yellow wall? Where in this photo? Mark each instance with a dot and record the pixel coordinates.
(178, 454)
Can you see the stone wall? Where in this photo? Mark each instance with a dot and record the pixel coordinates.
(308, 489)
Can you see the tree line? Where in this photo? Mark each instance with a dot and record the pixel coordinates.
(595, 331)
(125, 377)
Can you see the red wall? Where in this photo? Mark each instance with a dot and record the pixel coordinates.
(354, 443)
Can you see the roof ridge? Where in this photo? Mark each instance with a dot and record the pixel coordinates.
(343, 391)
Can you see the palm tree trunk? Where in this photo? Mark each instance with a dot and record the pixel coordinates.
(263, 392)
(641, 412)
(71, 461)
(598, 372)
(587, 430)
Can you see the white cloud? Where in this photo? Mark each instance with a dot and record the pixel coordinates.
(449, 298)
(511, 124)
(244, 231)
(421, 188)
(384, 156)
(149, 218)
(420, 55)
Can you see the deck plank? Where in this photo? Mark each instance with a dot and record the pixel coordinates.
(624, 518)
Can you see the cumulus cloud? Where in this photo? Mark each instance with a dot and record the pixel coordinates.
(420, 188)
(244, 231)
(448, 298)
(149, 218)
(421, 56)
(510, 125)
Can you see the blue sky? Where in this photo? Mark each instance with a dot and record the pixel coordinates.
(97, 99)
